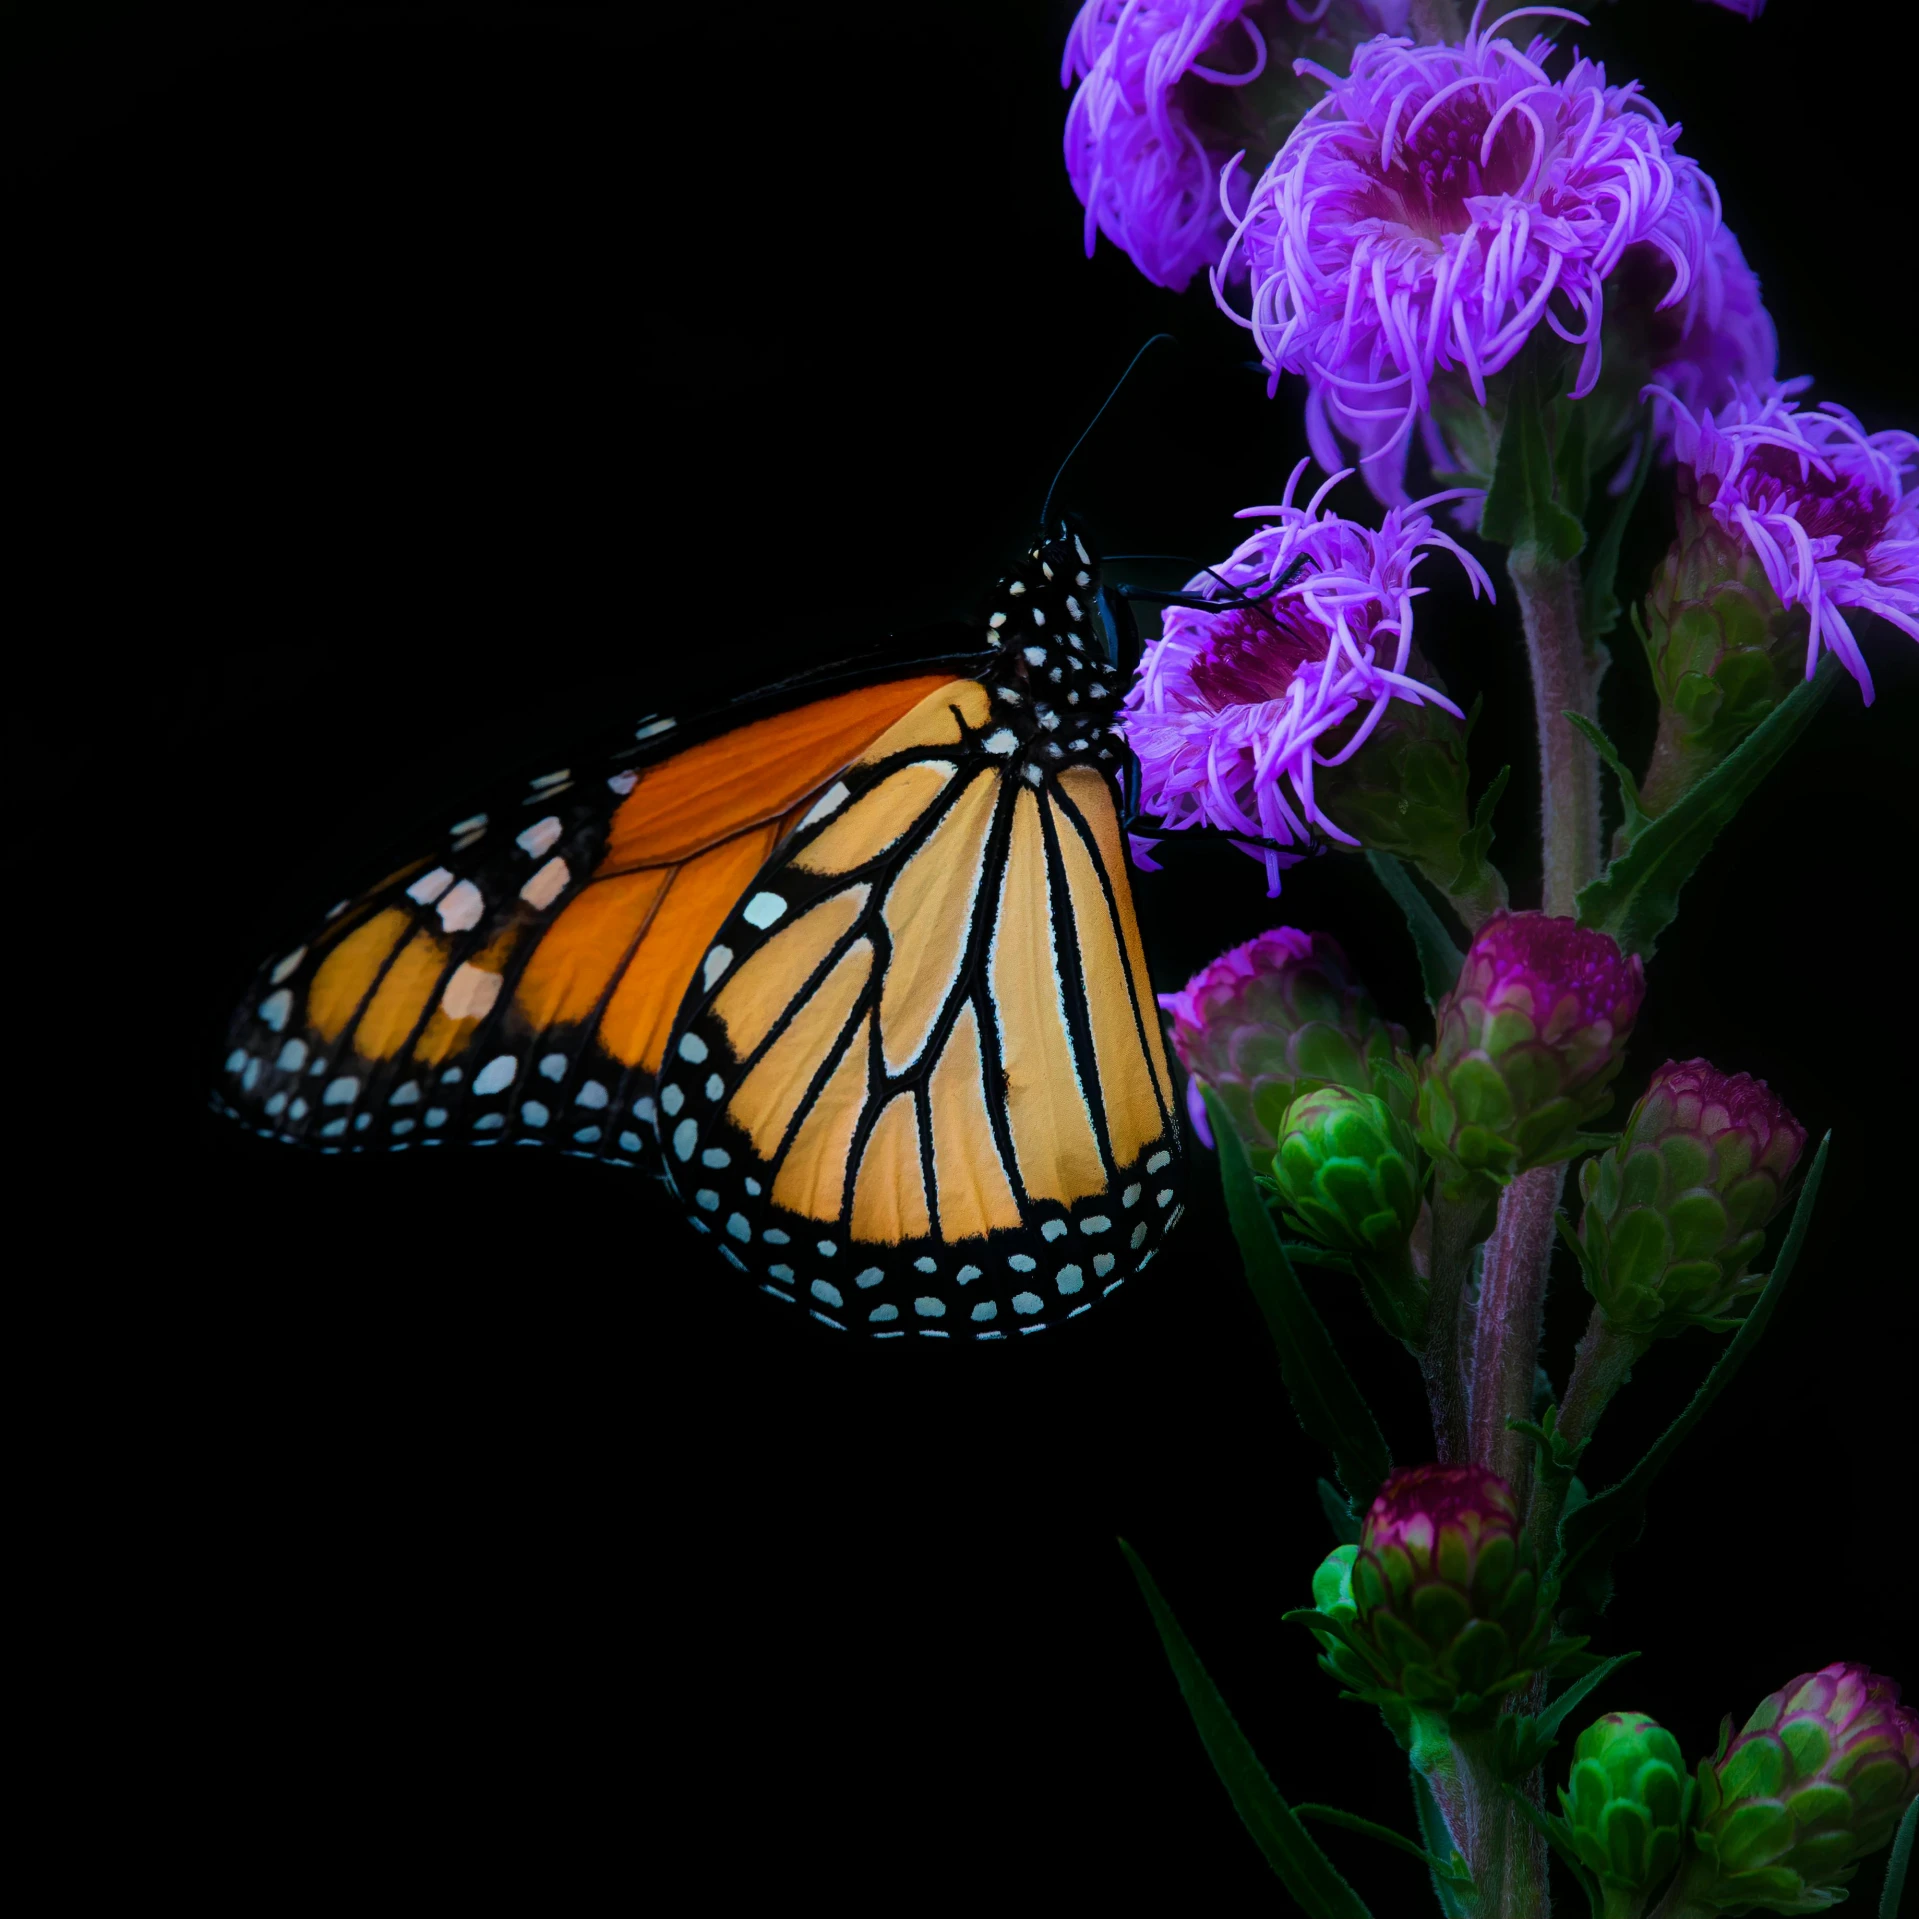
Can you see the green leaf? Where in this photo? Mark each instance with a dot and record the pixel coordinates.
(1329, 1405)
(1306, 1252)
(1339, 1514)
(1439, 959)
(1605, 1525)
(1637, 896)
(1476, 842)
(1439, 1842)
(1522, 1740)
(1452, 1869)
(1601, 570)
(1528, 501)
(1290, 1849)
(1897, 1861)
(1636, 819)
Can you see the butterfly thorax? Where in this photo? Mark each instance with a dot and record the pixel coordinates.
(1056, 688)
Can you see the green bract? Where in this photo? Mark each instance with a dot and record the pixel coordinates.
(1815, 1780)
(1678, 1208)
(1628, 1801)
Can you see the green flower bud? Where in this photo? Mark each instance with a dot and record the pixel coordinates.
(1815, 1781)
(1678, 1208)
(1628, 1803)
(1723, 651)
(1447, 1606)
(1348, 1174)
(1530, 1038)
(1272, 1019)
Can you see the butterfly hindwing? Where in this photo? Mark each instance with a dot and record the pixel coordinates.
(921, 1085)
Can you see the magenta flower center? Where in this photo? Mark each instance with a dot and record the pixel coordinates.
(1431, 178)
(1851, 510)
(1252, 653)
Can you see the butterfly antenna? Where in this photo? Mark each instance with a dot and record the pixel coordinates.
(1046, 511)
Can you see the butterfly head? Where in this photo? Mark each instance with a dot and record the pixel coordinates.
(1056, 683)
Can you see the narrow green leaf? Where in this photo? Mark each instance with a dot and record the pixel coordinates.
(1550, 1721)
(1439, 959)
(1526, 505)
(1636, 821)
(1290, 1849)
(1637, 896)
(1372, 1829)
(1439, 1843)
(1591, 1534)
(1339, 1514)
(1476, 842)
(1897, 1861)
(1601, 568)
(1329, 1405)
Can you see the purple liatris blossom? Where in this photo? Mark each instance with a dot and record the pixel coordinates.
(1529, 1040)
(1827, 508)
(1282, 1015)
(1168, 91)
(1720, 337)
(1238, 716)
(1440, 205)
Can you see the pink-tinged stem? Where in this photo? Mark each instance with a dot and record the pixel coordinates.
(1512, 1297)
(1563, 682)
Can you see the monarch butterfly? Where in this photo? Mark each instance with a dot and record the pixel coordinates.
(854, 964)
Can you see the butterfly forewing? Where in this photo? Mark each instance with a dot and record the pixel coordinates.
(520, 981)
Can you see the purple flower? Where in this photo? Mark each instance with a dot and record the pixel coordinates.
(1825, 507)
(1434, 209)
(1234, 712)
(1746, 9)
(1162, 105)
(1718, 339)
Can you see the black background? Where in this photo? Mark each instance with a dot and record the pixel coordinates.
(400, 393)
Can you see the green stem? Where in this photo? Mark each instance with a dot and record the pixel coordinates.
(1564, 681)
(1506, 1854)
(1602, 1365)
(1458, 1226)
(1512, 1298)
